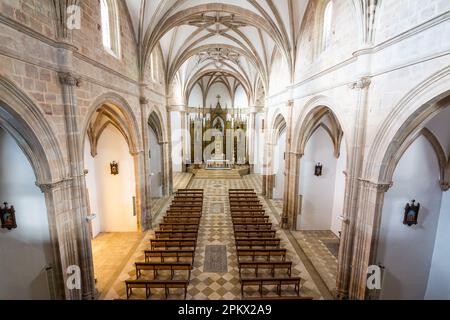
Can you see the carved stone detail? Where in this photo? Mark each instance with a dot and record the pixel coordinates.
(69, 79)
(362, 83)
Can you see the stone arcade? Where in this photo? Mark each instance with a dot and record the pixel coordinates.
(262, 92)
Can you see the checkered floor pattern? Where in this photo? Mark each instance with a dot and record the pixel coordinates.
(216, 229)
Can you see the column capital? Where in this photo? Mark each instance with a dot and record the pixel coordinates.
(51, 185)
(361, 83)
(379, 186)
(69, 79)
(143, 100)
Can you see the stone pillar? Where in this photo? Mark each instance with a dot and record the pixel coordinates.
(289, 193)
(168, 160)
(184, 135)
(146, 203)
(251, 139)
(354, 170)
(367, 229)
(77, 188)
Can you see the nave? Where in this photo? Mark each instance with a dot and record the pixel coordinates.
(216, 229)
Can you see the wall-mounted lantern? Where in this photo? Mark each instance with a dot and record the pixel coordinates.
(114, 168)
(411, 213)
(318, 170)
(8, 217)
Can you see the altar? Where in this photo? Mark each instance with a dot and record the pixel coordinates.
(214, 164)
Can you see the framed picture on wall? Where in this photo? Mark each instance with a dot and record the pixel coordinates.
(8, 217)
(411, 213)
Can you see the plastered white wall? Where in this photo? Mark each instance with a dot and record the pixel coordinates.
(26, 251)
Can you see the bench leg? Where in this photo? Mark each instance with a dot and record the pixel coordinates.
(128, 292)
(167, 292)
(279, 289)
(242, 289)
(260, 289)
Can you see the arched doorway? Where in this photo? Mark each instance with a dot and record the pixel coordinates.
(413, 113)
(414, 258)
(157, 145)
(273, 181)
(35, 253)
(112, 173)
(319, 186)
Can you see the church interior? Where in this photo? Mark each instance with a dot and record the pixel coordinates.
(225, 149)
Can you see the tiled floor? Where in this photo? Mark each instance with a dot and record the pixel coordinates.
(110, 250)
(324, 260)
(216, 229)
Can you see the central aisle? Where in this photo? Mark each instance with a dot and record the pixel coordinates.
(216, 230)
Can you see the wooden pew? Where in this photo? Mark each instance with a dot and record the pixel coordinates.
(178, 226)
(236, 201)
(252, 224)
(189, 198)
(255, 234)
(176, 215)
(240, 215)
(181, 219)
(265, 253)
(173, 243)
(271, 265)
(258, 242)
(249, 213)
(162, 266)
(163, 254)
(169, 234)
(252, 227)
(246, 210)
(156, 284)
(187, 203)
(240, 207)
(279, 282)
(186, 207)
(240, 220)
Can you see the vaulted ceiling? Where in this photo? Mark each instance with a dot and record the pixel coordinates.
(238, 37)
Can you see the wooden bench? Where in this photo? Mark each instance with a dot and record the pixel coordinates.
(168, 234)
(156, 284)
(172, 243)
(258, 242)
(255, 234)
(189, 198)
(241, 190)
(244, 202)
(163, 254)
(161, 266)
(271, 265)
(178, 215)
(249, 213)
(247, 210)
(181, 219)
(240, 220)
(279, 282)
(178, 226)
(186, 207)
(187, 203)
(245, 207)
(266, 253)
(252, 224)
(252, 227)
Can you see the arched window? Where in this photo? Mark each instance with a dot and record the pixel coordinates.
(110, 27)
(327, 25)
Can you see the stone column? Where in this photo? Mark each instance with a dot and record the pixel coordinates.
(146, 203)
(251, 135)
(183, 140)
(167, 145)
(355, 160)
(77, 186)
(366, 236)
(64, 243)
(289, 193)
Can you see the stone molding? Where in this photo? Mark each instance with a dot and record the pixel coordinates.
(361, 83)
(69, 79)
